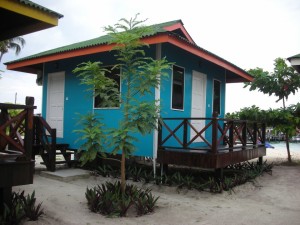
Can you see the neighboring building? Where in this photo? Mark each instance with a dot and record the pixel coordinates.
(295, 62)
(195, 88)
(20, 17)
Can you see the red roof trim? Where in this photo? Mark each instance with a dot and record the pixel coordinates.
(181, 27)
(209, 57)
(162, 38)
(62, 55)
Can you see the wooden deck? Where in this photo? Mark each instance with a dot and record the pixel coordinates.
(214, 145)
(206, 159)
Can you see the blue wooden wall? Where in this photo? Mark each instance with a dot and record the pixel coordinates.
(78, 101)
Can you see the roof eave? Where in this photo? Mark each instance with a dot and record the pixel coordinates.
(242, 76)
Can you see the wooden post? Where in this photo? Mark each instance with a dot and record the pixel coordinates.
(36, 138)
(254, 134)
(219, 174)
(244, 135)
(214, 133)
(263, 133)
(185, 133)
(3, 119)
(231, 126)
(260, 161)
(163, 169)
(225, 125)
(160, 127)
(263, 141)
(28, 140)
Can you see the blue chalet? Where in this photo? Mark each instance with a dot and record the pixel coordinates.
(194, 90)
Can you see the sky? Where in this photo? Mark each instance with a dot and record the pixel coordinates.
(247, 33)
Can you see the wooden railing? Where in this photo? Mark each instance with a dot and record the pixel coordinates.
(12, 143)
(215, 134)
(16, 139)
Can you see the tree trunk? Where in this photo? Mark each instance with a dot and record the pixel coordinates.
(126, 119)
(123, 172)
(287, 140)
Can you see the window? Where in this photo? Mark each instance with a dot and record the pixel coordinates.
(100, 101)
(178, 88)
(217, 97)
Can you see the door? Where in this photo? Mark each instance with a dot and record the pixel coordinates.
(198, 102)
(55, 102)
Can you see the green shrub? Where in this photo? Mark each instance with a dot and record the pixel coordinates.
(22, 207)
(32, 211)
(109, 200)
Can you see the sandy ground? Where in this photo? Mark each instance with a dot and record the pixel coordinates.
(271, 199)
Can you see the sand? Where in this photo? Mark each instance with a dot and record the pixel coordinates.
(271, 199)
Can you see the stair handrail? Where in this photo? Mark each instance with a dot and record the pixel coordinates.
(41, 129)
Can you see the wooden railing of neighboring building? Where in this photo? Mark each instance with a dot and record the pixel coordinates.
(16, 140)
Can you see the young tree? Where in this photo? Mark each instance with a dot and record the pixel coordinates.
(282, 82)
(140, 75)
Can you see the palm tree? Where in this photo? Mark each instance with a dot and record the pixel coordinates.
(15, 43)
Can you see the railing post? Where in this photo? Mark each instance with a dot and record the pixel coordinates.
(185, 133)
(254, 134)
(263, 133)
(225, 125)
(230, 144)
(159, 139)
(244, 134)
(28, 140)
(3, 119)
(214, 133)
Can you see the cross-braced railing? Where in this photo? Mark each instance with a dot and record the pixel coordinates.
(210, 134)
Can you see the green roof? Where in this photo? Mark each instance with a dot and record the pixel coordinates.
(295, 56)
(42, 8)
(158, 28)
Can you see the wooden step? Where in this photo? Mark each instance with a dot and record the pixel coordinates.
(58, 145)
(61, 153)
(63, 162)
